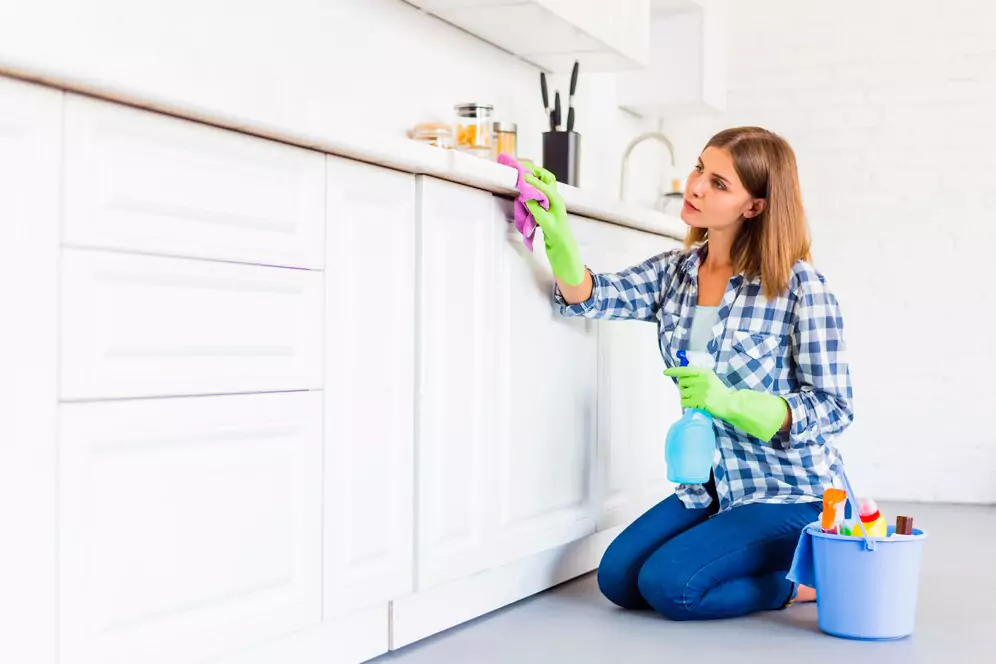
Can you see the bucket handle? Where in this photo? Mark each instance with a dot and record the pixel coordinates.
(869, 542)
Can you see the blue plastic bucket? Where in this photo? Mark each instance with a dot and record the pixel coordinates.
(867, 593)
(866, 587)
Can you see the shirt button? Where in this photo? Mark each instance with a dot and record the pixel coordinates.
(712, 346)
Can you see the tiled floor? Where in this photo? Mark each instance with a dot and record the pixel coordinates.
(956, 621)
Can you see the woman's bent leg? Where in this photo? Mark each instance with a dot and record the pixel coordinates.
(731, 565)
(619, 569)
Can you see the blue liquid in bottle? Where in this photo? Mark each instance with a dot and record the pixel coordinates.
(691, 444)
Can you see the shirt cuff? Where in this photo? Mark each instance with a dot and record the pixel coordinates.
(581, 308)
(800, 432)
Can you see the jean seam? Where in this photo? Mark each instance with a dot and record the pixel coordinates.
(684, 592)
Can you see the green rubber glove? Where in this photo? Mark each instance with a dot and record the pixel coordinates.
(561, 247)
(758, 413)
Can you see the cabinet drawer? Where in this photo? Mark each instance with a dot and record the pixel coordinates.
(142, 181)
(135, 326)
(188, 527)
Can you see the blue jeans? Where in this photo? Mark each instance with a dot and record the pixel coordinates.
(695, 564)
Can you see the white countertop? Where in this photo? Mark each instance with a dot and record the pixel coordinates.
(413, 157)
(392, 152)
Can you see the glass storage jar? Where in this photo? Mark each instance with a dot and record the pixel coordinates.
(505, 136)
(473, 128)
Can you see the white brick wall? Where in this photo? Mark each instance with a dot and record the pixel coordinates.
(891, 108)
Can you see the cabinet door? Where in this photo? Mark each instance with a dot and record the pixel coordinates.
(369, 378)
(30, 144)
(547, 401)
(508, 394)
(637, 403)
(457, 362)
(188, 528)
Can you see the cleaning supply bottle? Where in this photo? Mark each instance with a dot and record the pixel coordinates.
(691, 444)
(869, 520)
(832, 519)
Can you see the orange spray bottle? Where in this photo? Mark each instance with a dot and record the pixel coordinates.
(830, 518)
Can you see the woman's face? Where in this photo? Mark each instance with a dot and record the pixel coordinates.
(714, 196)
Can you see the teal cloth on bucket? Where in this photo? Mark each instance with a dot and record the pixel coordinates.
(803, 568)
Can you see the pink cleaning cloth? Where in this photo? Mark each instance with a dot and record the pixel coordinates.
(524, 221)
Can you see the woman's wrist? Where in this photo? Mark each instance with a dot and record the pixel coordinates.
(576, 294)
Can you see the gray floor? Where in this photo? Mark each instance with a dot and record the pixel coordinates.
(574, 624)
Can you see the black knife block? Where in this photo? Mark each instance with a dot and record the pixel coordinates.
(562, 155)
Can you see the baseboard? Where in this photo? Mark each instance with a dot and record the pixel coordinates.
(436, 609)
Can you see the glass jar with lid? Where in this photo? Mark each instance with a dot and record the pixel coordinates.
(505, 135)
(474, 132)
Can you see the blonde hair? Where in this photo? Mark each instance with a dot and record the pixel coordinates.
(769, 244)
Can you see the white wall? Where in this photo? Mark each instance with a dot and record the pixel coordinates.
(314, 65)
(890, 107)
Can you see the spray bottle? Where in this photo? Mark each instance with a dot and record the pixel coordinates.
(870, 520)
(831, 519)
(691, 444)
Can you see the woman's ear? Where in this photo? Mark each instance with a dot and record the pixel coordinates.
(756, 207)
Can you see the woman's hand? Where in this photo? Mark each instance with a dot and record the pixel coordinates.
(702, 389)
(757, 413)
(561, 247)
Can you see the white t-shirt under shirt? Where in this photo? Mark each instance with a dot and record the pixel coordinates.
(702, 321)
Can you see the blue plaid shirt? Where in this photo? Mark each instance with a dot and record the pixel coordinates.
(792, 346)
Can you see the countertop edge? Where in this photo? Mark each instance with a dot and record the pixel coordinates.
(395, 153)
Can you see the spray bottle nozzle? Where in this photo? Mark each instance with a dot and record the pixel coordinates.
(682, 358)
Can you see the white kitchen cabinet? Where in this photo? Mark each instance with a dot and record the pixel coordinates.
(457, 365)
(147, 182)
(30, 153)
(507, 420)
(138, 326)
(637, 403)
(686, 72)
(369, 393)
(369, 401)
(605, 36)
(249, 443)
(547, 403)
(188, 528)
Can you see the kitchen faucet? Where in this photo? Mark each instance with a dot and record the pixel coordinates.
(629, 149)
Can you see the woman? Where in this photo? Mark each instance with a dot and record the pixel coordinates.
(743, 293)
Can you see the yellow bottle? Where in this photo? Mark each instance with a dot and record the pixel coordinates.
(871, 520)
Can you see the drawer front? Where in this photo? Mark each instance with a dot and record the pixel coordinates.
(142, 181)
(137, 326)
(188, 527)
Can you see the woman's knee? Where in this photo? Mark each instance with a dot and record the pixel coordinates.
(664, 585)
(621, 563)
(617, 578)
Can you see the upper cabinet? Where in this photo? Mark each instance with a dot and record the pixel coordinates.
(687, 68)
(552, 34)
